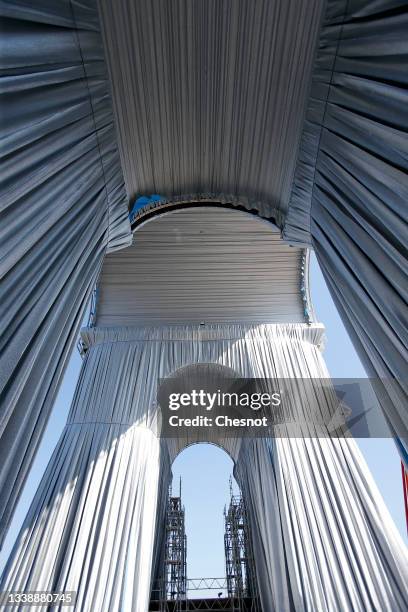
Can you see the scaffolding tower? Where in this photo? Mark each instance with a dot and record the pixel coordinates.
(239, 561)
(236, 592)
(175, 558)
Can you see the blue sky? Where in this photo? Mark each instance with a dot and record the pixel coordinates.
(205, 469)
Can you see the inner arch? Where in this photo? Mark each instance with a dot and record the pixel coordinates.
(204, 470)
(196, 376)
(204, 265)
(157, 207)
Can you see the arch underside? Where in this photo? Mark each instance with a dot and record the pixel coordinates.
(155, 208)
(204, 264)
(209, 99)
(200, 106)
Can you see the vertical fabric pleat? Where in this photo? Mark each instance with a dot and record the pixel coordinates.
(322, 537)
(63, 205)
(349, 197)
(209, 96)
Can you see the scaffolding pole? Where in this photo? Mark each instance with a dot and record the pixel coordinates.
(175, 558)
(239, 561)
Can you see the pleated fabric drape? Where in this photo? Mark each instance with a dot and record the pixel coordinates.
(322, 535)
(91, 526)
(63, 205)
(323, 538)
(351, 187)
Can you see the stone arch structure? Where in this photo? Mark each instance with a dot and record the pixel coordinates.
(283, 107)
(322, 536)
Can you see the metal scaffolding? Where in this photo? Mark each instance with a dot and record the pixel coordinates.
(237, 592)
(175, 557)
(239, 560)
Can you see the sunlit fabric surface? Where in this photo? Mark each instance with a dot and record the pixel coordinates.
(209, 96)
(323, 538)
(203, 264)
(349, 197)
(63, 205)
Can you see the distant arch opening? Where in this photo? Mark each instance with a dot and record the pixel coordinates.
(206, 544)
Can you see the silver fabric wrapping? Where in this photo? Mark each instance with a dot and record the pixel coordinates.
(323, 538)
(209, 96)
(350, 189)
(63, 205)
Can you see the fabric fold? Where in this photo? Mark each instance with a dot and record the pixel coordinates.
(322, 537)
(63, 206)
(350, 187)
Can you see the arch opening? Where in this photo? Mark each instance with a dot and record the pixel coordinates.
(205, 469)
(204, 546)
(205, 504)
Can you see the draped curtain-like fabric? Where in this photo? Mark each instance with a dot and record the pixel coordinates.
(63, 205)
(209, 96)
(91, 526)
(350, 192)
(323, 539)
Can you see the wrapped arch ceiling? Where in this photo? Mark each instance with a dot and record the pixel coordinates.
(294, 110)
(209, 96)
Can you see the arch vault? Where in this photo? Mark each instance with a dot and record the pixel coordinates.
(322, 537)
